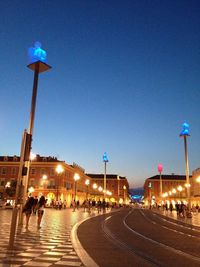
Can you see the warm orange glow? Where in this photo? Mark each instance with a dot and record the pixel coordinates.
(59, 169)
(87, 181)
(76, 176)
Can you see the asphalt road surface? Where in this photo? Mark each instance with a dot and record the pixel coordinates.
(138, 237)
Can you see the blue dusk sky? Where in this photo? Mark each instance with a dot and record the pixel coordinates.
(125, 76)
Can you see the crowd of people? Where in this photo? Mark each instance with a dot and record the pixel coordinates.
(181, 208)
(36, 206)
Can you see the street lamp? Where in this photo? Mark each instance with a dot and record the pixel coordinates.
(185, 133)
(44, 180)
(118, 185)
(87, 183)
(31, 190)
(100, 189)
(105, 160)
(160, 169)
(37, 63)
(59, 170)
(76, 178)
(124, 187)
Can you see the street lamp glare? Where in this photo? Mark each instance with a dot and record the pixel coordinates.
(87, 181)
(31, 189)
(174, 191)
(187, 185)
(100, 189)
(94, 186)
(59, 169)
(32, 156)
(198, 179)
(44, 176)
(76, 176)
(180, 188)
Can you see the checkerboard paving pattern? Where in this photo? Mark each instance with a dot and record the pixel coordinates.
(48, 246)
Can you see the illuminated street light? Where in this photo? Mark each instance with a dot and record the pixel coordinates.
(105, 160)
(76, 178)
(185, 133)
(180, 188)
(87, 183)
(32, 156)
(37, 63)
(44, 176)
(59, 171)
(160, 169)
(100, 189)
(124, 187)
(94, 186)
(31, 190)
(187, 185)
(118, 186)
(174, 191)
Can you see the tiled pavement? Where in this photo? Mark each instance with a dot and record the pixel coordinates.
(48, 246)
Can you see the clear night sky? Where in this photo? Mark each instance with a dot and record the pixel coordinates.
(125, 76)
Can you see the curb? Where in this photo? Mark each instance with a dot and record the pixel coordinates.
(80, 251)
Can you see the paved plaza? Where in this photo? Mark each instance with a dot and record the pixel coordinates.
(49, 246)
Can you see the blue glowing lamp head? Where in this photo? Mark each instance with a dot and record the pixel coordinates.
(105, 158)
(36, 53)
(185, 130)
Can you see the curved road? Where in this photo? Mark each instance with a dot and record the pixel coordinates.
(137, 237)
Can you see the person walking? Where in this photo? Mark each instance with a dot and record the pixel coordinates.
(35, 204)
(27, 209)
(41, 206)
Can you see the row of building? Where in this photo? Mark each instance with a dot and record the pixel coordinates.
(173, 189)
(57, 180)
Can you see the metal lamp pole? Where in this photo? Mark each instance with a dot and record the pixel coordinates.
(124, 187)
(87, 182)
(105, 160)
(76, 178)
(59, 170)
(118, 179)
(37, 59)
(185, 133)
(160, 169)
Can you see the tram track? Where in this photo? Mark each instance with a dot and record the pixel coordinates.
(179, 253)
(189, 231)
(124, 245)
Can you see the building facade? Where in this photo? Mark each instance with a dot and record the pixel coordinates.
(117, 185)
(46, 179)
(173, 189)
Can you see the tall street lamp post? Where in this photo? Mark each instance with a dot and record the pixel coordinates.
(59, 171)
(37, 63)
(76, 178)
(87, 183)
(160, 169)
(118, 185)
(124, 187)
(105, 160)
(185, 133)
